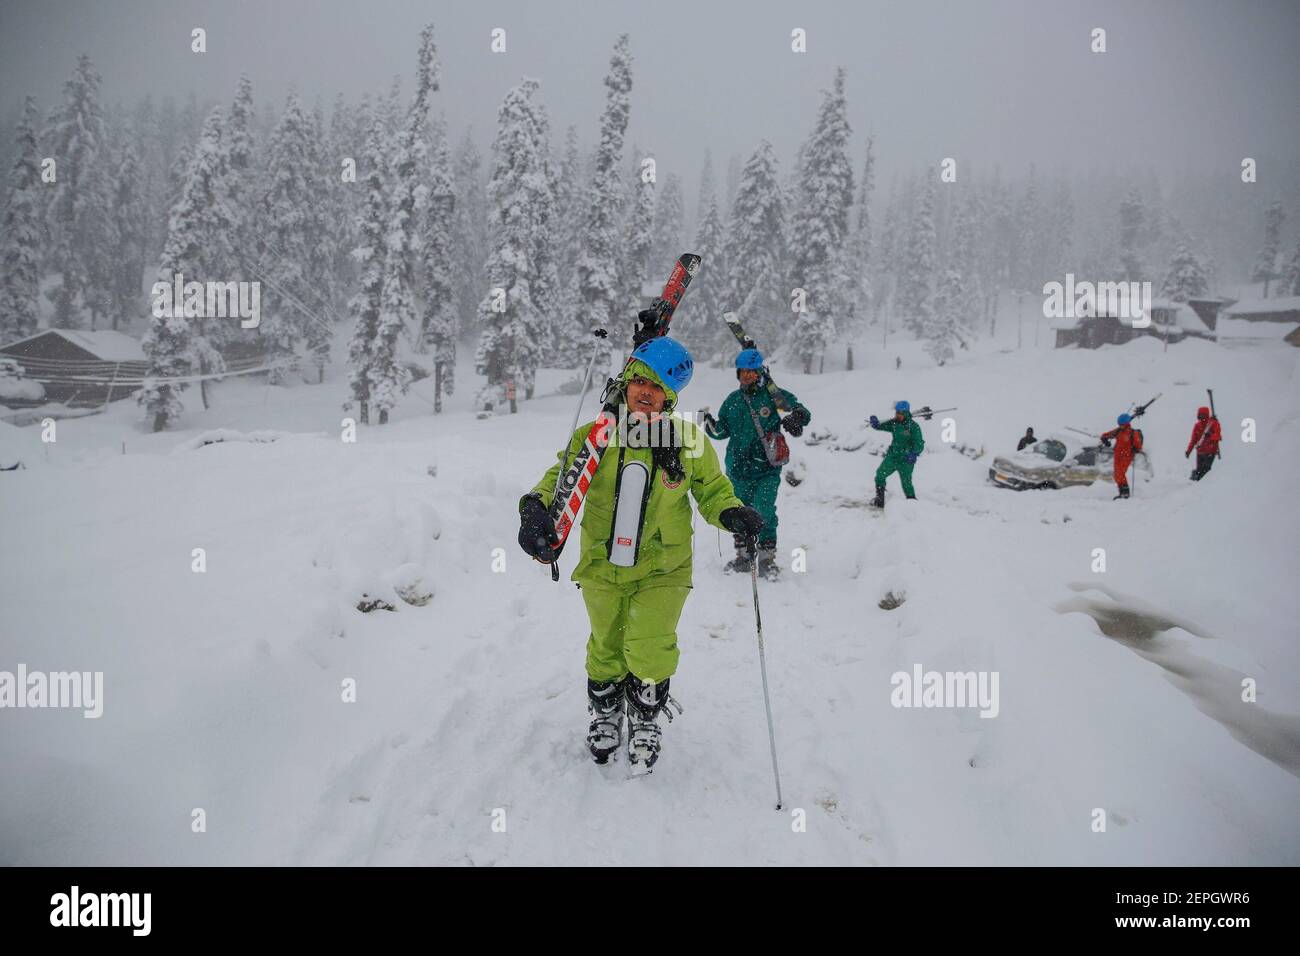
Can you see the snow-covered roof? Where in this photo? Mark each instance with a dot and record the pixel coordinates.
(107, 344)
(1289, 303)
(1184, 316)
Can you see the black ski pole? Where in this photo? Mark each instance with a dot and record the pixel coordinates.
(762, 664)
(582, 397)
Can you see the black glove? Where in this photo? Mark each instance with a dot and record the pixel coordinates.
(795, 421)
(536, 529)
(744, 521)
(1105, 443)
(1188, 453)
(649, 327)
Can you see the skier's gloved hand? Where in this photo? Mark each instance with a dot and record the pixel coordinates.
(875, 422)
(1188, 453)
(793, 424)
(744, 521)
(648, 328)
(1105, 443)
(911, 458)
(536, 529)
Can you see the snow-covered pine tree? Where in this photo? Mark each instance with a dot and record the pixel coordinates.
(370, 255)
(20, 264)
(852, 294)
(698, 324)
(285, 238)
(389, 379)
(598, 304)
(917, 267)
(130, 236)
(1132, 215)
(1030, 238)
(819, 226)
(669, 212)
(197, 247)
(469, 234)
(1186, 276)
(966, 263)
(757, 277)
(638, 238)
(941, 326)
(78, 205)
(439, 326)
(1291, 274)
(242, 186)
(1265, 268)
(513, 313)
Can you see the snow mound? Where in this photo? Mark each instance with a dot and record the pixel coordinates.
(218, 435)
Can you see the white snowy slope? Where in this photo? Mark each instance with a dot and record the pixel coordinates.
(223, 689)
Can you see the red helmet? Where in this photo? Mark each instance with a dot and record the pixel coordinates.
(1202, 412)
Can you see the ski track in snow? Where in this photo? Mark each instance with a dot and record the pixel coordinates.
(223, 689)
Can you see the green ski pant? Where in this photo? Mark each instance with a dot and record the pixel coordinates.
(892, 464)
(760, 494)
(633, 629)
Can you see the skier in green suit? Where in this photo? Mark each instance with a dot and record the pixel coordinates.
(634, 565)
(748, 415)
(906, 447)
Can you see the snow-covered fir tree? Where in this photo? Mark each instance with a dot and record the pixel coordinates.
(699, 323)
(469, 233)
(598, 305)
(520, 272)
(242, 188)
(1132, 217)
(914, 302)
(20, 265)
(757, 287)
(852, 294)
(177, 343)
(370, 255)
(439, 326)
(820, 226)
(130, 237)
(78, 204)
(389, 378)
(669, 213)
(941, 326)
(286, 234)
(638, 238)
(1291, 274)
(1186, 276)
(571, 212)
(1265, 267)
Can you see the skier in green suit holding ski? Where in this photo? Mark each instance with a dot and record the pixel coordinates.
(906, 447)
(756, 452)
(634, 566)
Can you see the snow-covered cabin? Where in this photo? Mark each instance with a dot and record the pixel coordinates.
(1285, 310)
(1197, 318)
(79, 368)
(1092, 331)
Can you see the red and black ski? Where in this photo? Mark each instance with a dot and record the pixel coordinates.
(573, 483)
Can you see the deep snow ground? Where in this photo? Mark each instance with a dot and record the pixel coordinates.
(222, 689)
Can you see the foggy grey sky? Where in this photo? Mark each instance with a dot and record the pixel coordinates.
(1195, 84)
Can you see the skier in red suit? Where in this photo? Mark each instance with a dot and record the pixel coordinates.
(1206, 435)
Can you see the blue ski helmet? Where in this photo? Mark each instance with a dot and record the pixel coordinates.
(751, 359)
(903, 407)
(668, 359)
(1124, 419)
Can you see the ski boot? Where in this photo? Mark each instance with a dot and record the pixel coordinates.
(744, 559)
(645, 702)
(1123, 493)
(879, 500)
(767, 566)
(605, 705)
